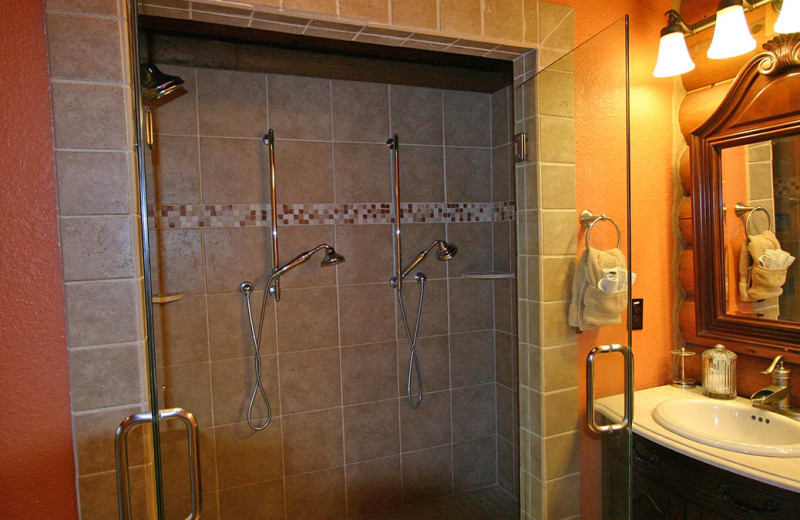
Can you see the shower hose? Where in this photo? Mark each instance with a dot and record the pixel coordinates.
(258, 388)
(414, 400)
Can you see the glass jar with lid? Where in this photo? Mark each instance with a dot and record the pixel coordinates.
(719, 373)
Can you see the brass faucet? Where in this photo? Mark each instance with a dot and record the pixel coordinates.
(777, 397)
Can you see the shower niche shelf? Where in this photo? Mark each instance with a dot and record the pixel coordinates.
(489, 275)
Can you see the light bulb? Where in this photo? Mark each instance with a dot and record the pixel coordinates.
(673, 56)
(731, 35)
(789, 19)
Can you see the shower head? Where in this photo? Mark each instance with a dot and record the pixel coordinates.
(156, 84)
(331, 258)
(445, 251)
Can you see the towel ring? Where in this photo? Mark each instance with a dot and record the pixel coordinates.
(741, 209)
(588, 220)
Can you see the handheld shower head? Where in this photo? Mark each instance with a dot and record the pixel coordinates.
(331, 258)
(445, 251)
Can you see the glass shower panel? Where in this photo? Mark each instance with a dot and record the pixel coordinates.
(575, 115)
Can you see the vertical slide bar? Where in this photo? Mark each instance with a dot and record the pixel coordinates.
(269, 140)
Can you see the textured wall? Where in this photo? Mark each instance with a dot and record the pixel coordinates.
(37, 473)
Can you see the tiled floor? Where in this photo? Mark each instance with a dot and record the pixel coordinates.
(490, 503)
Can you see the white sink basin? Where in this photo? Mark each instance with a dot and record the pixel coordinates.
(731, 425)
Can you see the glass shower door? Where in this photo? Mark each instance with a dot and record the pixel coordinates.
(574, 330)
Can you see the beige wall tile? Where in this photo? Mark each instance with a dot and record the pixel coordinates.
(531, 453)
(96, 248)
(375, 11)
(427, 474)
(245, 456)
(531, 15)
(95, 447)
(474, 464)
(229, 327)
(367, 313)
(531, 237)
(557, 277)
(501, 19)
(434, 309)
(562, 37)
(366, 263)
(310, 380)
(559, 412)
(176, 169)
(296, 239)
(558, 495)
(263, 500)
(502, 173)
(369, 372)
(175, 463)
(505, 358)
(550, 17)
(233, 255)
(83, 47)
(421, 173)
(467, 118)
(360, 111)
(556, 93)
(92, 183)
(179, 259)
(188, 387)
(505, 308)
(101, 313)
(557, 139)
(101, 377)
(299, 108)
(313, 6)
(555, 330)
(373, 486)
(470, 304)
(559, 367)
(180, 331)
(232, 103)
(507, 467)
(316, 495)
(468, 174)
(535, 367)
(312, 441)
(506, 417)
(472, 358)
(355, 166)
(462, 17)
(304, 172)
(559, 232)
(415, 239)
(103, 7)
(434, 359)
(88, 116)
(233, 170)
(233, 380)
(421, 126)
(471, 240)
(371, 431)
(427, 426)
(307, 319)
(95, 490)
(422, 14)
(474, 410)
(558, 186)
(562, 455)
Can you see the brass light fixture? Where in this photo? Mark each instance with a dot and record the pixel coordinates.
(731, 35)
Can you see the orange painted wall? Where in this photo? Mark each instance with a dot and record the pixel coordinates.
(651, 210)
(37, 468)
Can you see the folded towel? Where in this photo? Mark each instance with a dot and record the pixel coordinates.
(597, 299)
(762, 267)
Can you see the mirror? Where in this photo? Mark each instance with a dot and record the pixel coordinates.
(763, 179)
(747, 153)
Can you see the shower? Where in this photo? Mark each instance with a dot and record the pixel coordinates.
(331, 258)
(444, 252)
(157, 88)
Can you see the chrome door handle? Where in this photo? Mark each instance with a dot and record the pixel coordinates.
(626, 419)
(121, 450)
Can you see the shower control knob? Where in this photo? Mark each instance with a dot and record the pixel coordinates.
(246, 287)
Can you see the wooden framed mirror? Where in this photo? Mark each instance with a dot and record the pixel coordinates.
(737, 156)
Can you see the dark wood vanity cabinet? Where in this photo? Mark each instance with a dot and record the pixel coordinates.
(669, 486)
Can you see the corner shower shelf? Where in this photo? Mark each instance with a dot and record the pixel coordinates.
(168, 298)
(489, 275)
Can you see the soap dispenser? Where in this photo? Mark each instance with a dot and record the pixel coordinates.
(719, 373)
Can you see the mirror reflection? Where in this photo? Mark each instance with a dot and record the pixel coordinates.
(761, 192)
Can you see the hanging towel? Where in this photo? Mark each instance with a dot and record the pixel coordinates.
(762, 267)
(599, 289)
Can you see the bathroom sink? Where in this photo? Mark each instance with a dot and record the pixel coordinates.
(731, 425)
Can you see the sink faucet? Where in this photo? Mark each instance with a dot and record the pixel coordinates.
(777, 397)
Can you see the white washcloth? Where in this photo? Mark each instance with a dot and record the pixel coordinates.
(776, 259)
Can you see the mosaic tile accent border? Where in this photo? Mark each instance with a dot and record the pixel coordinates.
(169, 216)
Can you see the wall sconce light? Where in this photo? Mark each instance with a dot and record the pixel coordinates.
(731, 34)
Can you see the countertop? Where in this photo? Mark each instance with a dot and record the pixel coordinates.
(780, 472)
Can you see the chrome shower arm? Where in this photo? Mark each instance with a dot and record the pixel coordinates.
(420, 257)
(272, 284)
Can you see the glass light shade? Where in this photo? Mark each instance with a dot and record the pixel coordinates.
(673, 56)
(731, 35)
(789, 19)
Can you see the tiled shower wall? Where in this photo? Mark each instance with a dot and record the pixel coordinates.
(343, 441)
